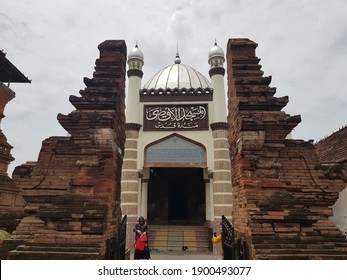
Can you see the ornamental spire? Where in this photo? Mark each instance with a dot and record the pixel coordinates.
(177, 58)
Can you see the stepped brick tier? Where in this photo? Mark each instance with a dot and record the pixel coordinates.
(73, 190)
(281, 197)
(11, 202)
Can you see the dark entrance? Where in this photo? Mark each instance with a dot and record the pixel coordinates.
(176, 196)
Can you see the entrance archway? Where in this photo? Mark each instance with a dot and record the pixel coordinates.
(176, 196)
(175, 151)
(176, 186)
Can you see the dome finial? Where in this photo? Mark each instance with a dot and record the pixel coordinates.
(216, 51)
(177, 58)
(216, 56)
(135, 53)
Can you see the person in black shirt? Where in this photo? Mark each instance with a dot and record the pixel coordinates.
(141, 228)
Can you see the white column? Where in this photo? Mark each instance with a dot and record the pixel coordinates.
(133, 100)
(219, 98)
(209, 202)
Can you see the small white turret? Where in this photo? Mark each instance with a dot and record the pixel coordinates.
(135, 74)
(216, 60)
(216, 56)
(135, 58)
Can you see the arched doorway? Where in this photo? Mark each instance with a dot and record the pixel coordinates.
(176, 186)
(176, 196)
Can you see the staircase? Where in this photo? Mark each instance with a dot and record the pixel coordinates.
(173, 238)
(49, 251)
(311, 248)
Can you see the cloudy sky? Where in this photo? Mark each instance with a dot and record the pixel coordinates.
(302, 45)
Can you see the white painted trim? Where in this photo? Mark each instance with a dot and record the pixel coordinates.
(132, 139)
(130, 159)
(221, 149)
(129, 181)
(129, 203)
(221, 170)
(221, 138)
(130, 192)
(228, 217)
(222, 193)
(131, 216)
(221, 182)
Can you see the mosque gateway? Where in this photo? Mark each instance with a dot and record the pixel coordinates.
(176, 168)
(171, 158)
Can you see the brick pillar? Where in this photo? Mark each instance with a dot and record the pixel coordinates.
(282, 198)
(75, 186)
(11, 203)
(6, 95)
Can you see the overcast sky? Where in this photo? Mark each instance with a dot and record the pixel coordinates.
(302, 45)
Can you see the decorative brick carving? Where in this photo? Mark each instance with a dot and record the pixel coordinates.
(281, 198)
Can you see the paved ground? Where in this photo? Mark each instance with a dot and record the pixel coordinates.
(180, 255)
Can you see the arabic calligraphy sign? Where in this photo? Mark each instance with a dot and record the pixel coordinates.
(176, 117)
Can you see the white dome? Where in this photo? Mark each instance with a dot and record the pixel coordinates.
(177, 76)
(216, 51)
(135, 53)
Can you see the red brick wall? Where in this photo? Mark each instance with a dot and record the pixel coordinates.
(74, 187)
(11, 203)
(281, 197)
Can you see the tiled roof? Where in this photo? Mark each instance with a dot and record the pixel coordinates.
(334, 147)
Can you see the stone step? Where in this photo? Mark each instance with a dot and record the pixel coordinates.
(69, 245)
(161, 236)
(51, 255)
(341, 245)
(82, 249)
(301, 257)
(55, 251)
(259, 240)
(300, 251)
(8, 245)
(173, 238)
(294, 246)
